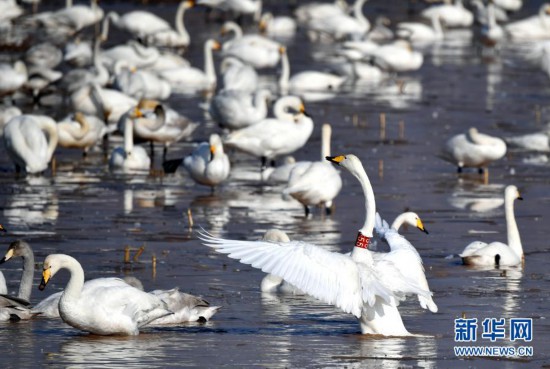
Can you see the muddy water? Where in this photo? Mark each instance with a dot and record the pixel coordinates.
(85, 211)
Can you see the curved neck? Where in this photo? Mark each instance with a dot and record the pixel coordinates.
(280, 108)
(436, 25)
(111, 16)
(84, 125)
(326, 132)
(514, 241)
(398, 222)
(260, 102)
(28, 272)
(50, 128)
(285, 74)
(358, 12)
(209, 63)
(128, 135)
(234, 27)
(76, 281)
(180, 25)
(370, 203)
(158, 122)
(491, 18)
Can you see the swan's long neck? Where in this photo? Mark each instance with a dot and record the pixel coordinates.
(110, 17)
(76, 281)
(102, 74)
(68, 3)
(326, 132)
(358, 12)
(285, 74)
(260, 102)
(491, 15)
(280, 108)
(436, 25)
(128, 136)
(237, 31)
(480, 138)
(26, 279)
(258, 12)
(398, 222)
(50, 128)
(514, 241)
(84, 126)
(180, 25)
(209, 64)
(360, 251)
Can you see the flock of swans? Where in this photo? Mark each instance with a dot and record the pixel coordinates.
(125, 89)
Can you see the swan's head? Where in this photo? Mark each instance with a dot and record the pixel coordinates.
(282, 50)
(51, 266)
(412, 219)
(229, 27)
(512, 192)
(16, 248)
(275, 235)
(264, 21)
(2, 229)
(350, 162)
(190, 4)
(215, 45)
(216, 145)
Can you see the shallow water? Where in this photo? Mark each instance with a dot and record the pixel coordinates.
(85, 211)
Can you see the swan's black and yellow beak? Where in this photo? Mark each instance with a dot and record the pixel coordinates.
(46, 275)
(420, 226)
(519, 196)
(212, 152)
(2, 229)
(335, 159)
(8, 255)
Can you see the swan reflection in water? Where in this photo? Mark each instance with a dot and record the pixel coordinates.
(34, 202)
(149, 198)
(481, 199)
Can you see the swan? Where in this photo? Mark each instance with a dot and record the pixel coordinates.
(473, 149)
(482, 15)
(339, 26)
(277, 26)
(208, 164)
(398, 57)
(497, 253)
(6, 113)
(43, 56)
(193, 80)
(414, 31)
(129, 157)
(140, 84)
(78, 53)
(236, 75)
(273, 137)
(539, 141)
(30, 141)
(109, 308)
(241, 7)
(381, 30)
(534, 27)
(155, 126)
(255, 50)
(281, 173)
(135, 54)
(80, 131)
(452, 15)
(491, 33)
(317, 184)
(168, 60)
(350, 282)
(304, 13)
(71, 19)
(12, 77)
(186, 308)
(10, 10)
(235, 109)
(306, 81)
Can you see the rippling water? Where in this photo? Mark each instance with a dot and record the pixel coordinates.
(85, 211)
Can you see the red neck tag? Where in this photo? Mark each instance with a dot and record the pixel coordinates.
(362, 241)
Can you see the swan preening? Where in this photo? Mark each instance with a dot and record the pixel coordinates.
(497, 253)
(356, 283)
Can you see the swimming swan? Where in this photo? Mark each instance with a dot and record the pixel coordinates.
(497, 253)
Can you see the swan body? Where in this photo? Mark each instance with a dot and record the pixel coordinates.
(273, 137)
(452, 15)
(534, 27)
(208, 164)
(497, 253)
(534, 141)
(305, 13)
(78, 53)
(76, 78)
(31, 141)
(281, 173)
(492, 32)
(9, 10)
(319, 183)
(80, 131)
(236, 75)
(398, 56)
(237, 109)
(112, 307)
(413, 31)
(474, 149)
(71, 19)
(129, 157)
(12, 77)
(102, 102)
(133, 53)
(244, 7)
(192, 80)
(141, 84)
(277, 26)
(350, 282)
(339, 26)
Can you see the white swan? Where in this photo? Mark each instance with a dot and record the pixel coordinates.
(497, 253)
(6, 113)
(304, 13)
(306, 81)
(281, 26)
(135, 54)
(140, 84)
(80, 131)
(71, 19)
(237, 109)
(398, 57)
(186, 308)
(339, 26)
(509, 5)
(193, 80)
(12, 77)
(317, 184)
(255, 50)
(241, 7)
(30, 141)
(492, 32)
(237, 75)
(539, 141)
(351, 282)
(473, 149)
(78, 52)
(534, 27)
(273, 137)
(208, 164)
(129, 157)
(106, 309)
(452, 15)
(414, 31)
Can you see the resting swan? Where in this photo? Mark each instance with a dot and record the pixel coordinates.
(534, 27)
(129, 157)
(236, 109)
(473, 149)
(113, 307)
(30, 141)
(208, 164)
(80, 131)
(351, 282)
(497, 253)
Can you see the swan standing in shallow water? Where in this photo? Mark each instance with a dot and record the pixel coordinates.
(473, 149)
(534, 27)
(497, 253)
(208, 164)
(80, 131)
(317, 183)
(31, 141)
(236, 109)
(351, 282)
(105, 310)
(129, 157)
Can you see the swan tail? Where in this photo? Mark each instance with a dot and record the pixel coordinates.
(427, 303)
